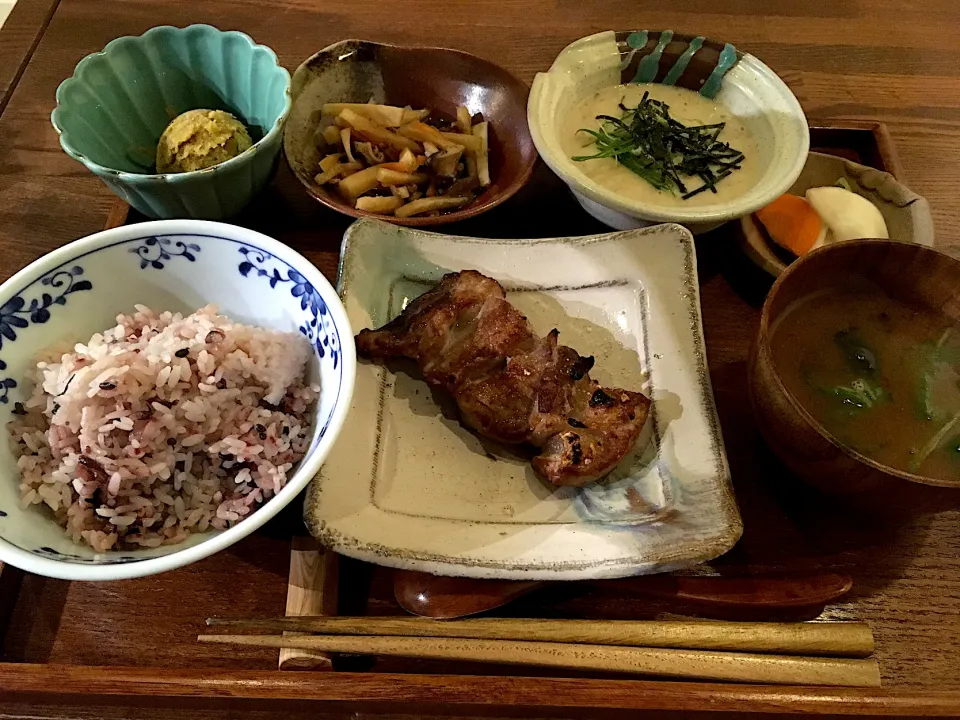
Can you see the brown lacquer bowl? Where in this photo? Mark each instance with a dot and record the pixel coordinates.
(422, 77)
(911, 273)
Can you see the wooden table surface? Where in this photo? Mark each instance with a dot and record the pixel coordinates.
(896, 61)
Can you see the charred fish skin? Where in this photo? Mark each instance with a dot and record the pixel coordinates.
(510, 384)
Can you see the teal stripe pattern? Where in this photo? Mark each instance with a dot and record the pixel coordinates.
(649, 66)
(647, 71)
(636, 42)
(728, 58)
(681, 64)
(638, 39)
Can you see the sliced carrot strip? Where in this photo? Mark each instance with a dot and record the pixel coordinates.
(792, 223)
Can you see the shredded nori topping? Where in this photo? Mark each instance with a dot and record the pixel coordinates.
(650, 143)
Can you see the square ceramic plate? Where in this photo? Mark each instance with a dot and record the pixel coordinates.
(407, 486)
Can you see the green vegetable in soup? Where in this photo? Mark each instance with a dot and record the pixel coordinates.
(924, 362)
(937, 379)
(882, 375)
(860, 357)
(938, 392)
(861, 393)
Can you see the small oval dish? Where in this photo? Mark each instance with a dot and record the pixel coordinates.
(906, 214)
(176, 265)
(438, 79)
(749, 90)
(111, 113)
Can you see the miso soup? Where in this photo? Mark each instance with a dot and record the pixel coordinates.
(882, 376)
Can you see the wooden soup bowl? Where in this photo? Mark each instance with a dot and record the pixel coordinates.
(911, 273)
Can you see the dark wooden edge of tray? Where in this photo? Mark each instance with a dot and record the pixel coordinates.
(490, 696)
(865, 135)
(437, 694)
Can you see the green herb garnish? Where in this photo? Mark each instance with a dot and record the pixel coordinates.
(934, 364)
(855, 351)
(861, 393)
(659, 149)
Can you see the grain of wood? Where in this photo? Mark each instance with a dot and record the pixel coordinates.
(19, 36)
(311, 590)
(118, 215)
(280, 695)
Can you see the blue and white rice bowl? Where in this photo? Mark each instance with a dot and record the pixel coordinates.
(168, 265)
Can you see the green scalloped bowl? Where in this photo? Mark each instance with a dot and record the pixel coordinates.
(111, 113)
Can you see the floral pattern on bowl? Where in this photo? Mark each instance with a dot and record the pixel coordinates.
(169, 265)
(155, 251)
(318, 327)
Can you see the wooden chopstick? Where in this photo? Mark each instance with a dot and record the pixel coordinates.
(838, 639)
(698, 664)
(311, 591)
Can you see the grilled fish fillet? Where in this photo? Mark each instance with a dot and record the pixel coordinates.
(510, 384)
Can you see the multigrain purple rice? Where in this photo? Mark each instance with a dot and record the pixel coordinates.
(130, 454)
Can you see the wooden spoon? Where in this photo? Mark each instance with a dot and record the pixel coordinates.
(447, 598)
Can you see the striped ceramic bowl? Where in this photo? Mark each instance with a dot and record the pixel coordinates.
(111, 113)
(749, 90)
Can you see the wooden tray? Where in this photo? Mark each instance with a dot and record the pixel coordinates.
(127, 649)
